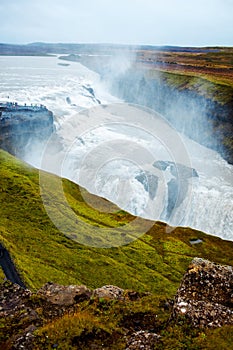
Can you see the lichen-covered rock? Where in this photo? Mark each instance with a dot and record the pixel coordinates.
(142, 340)
(64, 295)
(110, 292)
(205, 296)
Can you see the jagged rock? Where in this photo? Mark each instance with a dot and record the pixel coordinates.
(177, 191)
(177, 170)
(182, 171)
(64, 295)
(149, 182)
(142, 340)
(205, 296)
(110, 292)
(15, 306)
(177, 186)
(19, 306)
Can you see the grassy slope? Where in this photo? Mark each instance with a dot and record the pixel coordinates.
(207, 74)
(204, 63)
(204, 72)
(204, 85)
(155, 262)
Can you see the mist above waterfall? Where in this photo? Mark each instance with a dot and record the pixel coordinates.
(115, 154)
(188, 102)
(183, 101)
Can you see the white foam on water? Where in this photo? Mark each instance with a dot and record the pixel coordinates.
(64, 91)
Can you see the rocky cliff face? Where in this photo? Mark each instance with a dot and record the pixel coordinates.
(193, 106)
(23, 128)
(196, 106)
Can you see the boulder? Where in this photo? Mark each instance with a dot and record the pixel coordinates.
(177, 170)
(149, 182)
(64, 295)
(205, 296)
(109, 292)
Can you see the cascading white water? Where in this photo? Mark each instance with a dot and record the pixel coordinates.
(66, 91)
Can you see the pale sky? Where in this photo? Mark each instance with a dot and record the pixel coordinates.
(153, 22)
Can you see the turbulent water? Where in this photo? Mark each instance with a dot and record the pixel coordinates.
(116, 152)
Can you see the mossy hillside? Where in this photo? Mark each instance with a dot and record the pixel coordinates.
(155, 262)
(106, 324)
(102, 323)
(206, 86)
(213, 64)
(213, 97)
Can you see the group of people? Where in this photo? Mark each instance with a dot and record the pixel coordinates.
(15, 105)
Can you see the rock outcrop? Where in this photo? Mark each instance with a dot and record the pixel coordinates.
(176, 169)
(110, 292)
(23, 128)
(177, 186)
(190, 111)
(32, 310)
(64, 295)
(205, 297)
(149, 182)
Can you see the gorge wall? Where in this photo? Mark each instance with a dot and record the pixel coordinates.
(23, 128)
(199, 105)
(200, 109)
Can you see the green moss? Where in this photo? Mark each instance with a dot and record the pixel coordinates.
(207, 86)
(154, 262)
(104, 323)
(101, 323)
(186, 337)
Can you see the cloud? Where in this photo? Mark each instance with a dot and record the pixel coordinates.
(178, 22)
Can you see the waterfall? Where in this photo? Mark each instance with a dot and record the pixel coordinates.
(125, 153)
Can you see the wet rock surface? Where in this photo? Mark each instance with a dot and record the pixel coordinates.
(24, 127)
(205, 296)
(149, 182)
(178, 185)
(176, 169)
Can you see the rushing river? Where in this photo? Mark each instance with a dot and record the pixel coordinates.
(120, 153)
